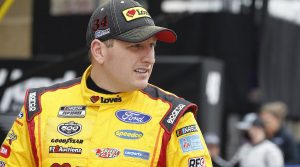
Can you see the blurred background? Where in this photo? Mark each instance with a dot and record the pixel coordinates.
(231, 56)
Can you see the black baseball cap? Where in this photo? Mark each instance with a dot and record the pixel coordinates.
(125, 20)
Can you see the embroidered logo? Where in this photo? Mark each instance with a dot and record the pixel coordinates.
(135, 13)
(11, 137)
(72, 112)
(66, 141)
(197, 162)
(186, 130)
(129, 134)
(2, 164)
(107, 152)
(5, 151)
(58, 165)
(69, 129)
(61, 149)
(32, 101)
(174, 113)
(136, 154)
(190, 143)
(132, 117)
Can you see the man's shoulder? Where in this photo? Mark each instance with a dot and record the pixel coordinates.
(57, 86)
(178, 106)
(157, 93)
(32, 102)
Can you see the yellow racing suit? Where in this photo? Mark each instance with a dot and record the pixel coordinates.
(70, 125)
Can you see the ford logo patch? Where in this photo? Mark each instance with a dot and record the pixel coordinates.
(132, 117)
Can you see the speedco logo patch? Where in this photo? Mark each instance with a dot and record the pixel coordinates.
(69, 129)
(175, 113)
(129, 134)
(61, 149)
(107, 152)
(132, 117)
(32, 101)
(197, 162)
(72, 112)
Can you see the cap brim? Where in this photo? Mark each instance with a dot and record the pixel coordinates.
(243, 126)
(143, 33)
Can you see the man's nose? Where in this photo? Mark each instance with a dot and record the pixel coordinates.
(149, 56)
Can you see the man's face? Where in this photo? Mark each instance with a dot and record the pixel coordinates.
(128, 66)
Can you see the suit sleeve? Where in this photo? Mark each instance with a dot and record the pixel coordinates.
(187, 146)
(16, 148)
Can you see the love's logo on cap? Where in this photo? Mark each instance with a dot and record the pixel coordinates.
(135, 13)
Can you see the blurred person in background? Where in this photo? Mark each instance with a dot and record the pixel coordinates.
(213, 145)
(273, 114)
(256, 151)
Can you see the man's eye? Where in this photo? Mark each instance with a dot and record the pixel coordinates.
(136, 45)
(153, 45)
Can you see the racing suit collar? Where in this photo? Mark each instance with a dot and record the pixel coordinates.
(93, 98)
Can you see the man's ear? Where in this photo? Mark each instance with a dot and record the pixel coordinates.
(96, 51)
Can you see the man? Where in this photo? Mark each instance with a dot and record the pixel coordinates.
(273, 114)
(110, 116)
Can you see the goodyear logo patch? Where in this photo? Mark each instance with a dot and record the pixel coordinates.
(129, 134)
(135, 13)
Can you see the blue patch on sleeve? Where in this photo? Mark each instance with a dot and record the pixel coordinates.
(190, 143)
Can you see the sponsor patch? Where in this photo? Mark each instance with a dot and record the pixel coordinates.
(32, 101)
(197, 162)
(186, 130)
(67, 141)
(72, 112)
(136, 154)
(5, 151)
(107, 152)
(2, 164)
(174, 114)
(20, 115)
(11, 136)
(61, 149)
(111, 100)
(59, 165)
(94, 99)
(190, 143)
(129, 134)
(101, 33)
(132, 117)
(135, 13)
(69, 129)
